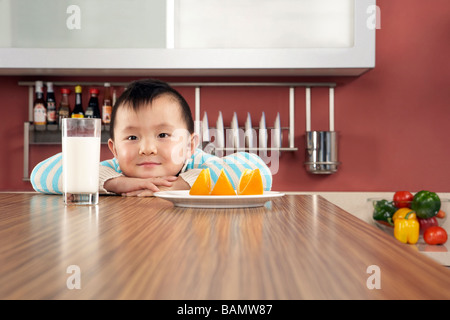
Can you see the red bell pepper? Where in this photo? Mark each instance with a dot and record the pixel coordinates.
(426, 223)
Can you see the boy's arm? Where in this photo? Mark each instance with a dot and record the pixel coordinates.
(189, 177)
(183, 182)
(177, 183)
(46, 176)
(133, 186)
(107, 173)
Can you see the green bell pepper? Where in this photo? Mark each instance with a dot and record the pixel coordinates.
(426, 204)
(383, 211)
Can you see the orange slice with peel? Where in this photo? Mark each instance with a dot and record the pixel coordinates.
(202, 185)
(250, 183)
(243, 181)
(223, 186)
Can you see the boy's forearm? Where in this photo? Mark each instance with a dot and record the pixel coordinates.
(177, 184)
(118, 185)
(123, 184)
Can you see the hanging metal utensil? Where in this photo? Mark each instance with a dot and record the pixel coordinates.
(250, 134)
(235, 132)
(276, 133)
(220, 142)
(205, 133)
(263, 132)
(321, 146)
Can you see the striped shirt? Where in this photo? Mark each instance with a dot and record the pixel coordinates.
(46, 177)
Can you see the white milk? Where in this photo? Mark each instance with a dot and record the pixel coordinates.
(81, 165)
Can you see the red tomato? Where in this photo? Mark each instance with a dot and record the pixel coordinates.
(402, 199)
(435, 235)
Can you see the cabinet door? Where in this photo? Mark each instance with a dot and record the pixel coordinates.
(187, 37)
(264, 24)
(83, 24)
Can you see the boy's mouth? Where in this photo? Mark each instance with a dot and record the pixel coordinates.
(148, 164)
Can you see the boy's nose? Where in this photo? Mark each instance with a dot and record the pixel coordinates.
(147, 147)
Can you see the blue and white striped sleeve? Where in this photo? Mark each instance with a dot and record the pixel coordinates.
(46, 176)
(233, 166)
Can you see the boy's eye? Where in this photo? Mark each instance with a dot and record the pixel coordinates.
(132, 138)
(163, 135)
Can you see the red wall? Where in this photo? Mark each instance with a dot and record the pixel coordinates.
(393, 121)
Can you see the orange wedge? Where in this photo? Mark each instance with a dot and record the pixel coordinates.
(243, 181)
(202, 185)
(250, 183)
(223, 186)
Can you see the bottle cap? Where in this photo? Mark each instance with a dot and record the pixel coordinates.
(94, 91)
(39, 86)
(65, 91)
(49, 86)
(107, 84)
(78, 89)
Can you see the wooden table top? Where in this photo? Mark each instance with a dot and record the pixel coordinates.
(295, 247)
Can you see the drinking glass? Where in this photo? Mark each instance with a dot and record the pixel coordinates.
(81, 160)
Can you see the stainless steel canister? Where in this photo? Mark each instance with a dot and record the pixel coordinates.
(321, 152)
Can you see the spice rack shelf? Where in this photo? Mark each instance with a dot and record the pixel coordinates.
(52, 134)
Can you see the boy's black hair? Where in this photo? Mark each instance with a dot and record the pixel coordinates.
(142, 92)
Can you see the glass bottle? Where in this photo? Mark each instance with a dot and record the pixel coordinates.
(51, 105)
(93, 109)
(39, 109)
(78, 109)
(64, 107)
(107, 105)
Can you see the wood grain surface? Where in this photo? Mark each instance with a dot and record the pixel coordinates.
(295, 247)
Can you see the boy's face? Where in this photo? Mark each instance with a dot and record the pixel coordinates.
(152, 141)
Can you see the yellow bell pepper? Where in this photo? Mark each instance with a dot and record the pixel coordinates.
(406, 229)
(401, 213)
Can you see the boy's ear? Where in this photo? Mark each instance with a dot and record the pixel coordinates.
(193, 143)
(112, 147)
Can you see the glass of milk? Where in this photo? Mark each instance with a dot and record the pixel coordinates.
(80, 160)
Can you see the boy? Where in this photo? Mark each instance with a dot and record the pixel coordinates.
(154, 148)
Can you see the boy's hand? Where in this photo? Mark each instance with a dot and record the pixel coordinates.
(178, 184)
(137, 187)
(124, 185)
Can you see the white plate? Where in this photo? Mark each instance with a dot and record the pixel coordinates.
(181, 198)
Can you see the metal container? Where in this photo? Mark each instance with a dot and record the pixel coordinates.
(321, 152)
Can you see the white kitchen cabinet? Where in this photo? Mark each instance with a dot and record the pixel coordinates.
(187, 37)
